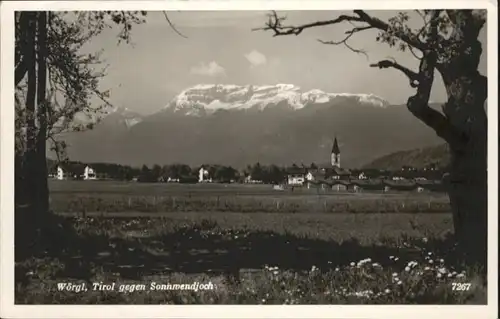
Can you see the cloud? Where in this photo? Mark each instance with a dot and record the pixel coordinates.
(256, 58)
(209, 69)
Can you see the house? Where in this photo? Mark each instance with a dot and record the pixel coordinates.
(429, 185)
(314, 177)
(250, 180)
(399, 185)
(204, 176)
(296, 176)
(61, 173)
(366, 185)
(89, 173)
(339, 185)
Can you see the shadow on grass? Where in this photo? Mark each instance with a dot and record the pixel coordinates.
(206, 248)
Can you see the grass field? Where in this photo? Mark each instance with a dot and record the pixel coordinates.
(248, 257)
(98, 196)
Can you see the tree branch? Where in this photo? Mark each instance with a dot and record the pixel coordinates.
(349, 33)
(172, 25)
(407, 37)
(412, 76)
(418, 104)
(275, 24)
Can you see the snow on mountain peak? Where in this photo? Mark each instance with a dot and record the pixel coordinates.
(208, 98)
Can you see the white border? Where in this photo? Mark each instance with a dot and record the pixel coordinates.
(9, 310)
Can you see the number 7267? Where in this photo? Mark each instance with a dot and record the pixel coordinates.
(459, 286)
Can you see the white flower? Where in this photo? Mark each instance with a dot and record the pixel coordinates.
(439, 275)
(441, 260)
(427, 268)
(442, 270)
(387, 291)
(391, 257)
(396, 259)
(425, 240)
(395, 274)
(460, 275)
(400, 282)
(431, 261)
(337, 269)
(352, 264)
(407, 269)
(429, 253)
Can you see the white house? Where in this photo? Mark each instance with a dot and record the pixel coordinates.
(296, 176)
(203, 176)
(89, 173)
(362, 176)
(61, 174)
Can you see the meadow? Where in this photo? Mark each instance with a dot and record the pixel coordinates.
(106, 197)
(260, 255)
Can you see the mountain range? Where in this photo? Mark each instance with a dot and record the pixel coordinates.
(239, 125)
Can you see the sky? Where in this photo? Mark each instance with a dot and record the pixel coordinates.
(221, 48)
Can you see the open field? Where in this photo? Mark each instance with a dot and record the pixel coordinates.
(100, 196)
(249, 257)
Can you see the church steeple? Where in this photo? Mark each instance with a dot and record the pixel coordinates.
(335, 148)
(335, 156)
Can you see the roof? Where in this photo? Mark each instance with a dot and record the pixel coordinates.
(296, 170)
(335, 148)
(316, 174)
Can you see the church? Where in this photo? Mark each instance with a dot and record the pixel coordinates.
(298, 176)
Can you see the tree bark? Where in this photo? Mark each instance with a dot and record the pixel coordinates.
(467, 180)
(42, 192)
(31, 132)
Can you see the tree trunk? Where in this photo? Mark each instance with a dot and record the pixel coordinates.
(42, 192)
(467, 180)
(31, 133)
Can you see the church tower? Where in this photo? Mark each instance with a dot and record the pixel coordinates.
(335, 157)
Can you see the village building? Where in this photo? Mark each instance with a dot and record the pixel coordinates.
(204, 175)
(89, 173)
(296, 176)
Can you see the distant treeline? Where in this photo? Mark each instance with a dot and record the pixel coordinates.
(267, 174)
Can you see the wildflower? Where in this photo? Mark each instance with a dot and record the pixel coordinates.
(391, 257)
(400, 282)
(460, 275)
(450, 275)
(329, 262)
(441, 261)
(275, 272)
(396, 259)
(442, 270)
(376, 265)
(431, 261)
(387, 291)
(427, 268)
(352, 264)
(439, 275)
(395, 274)
(425, 240)
(407, 268)
(337, 269)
